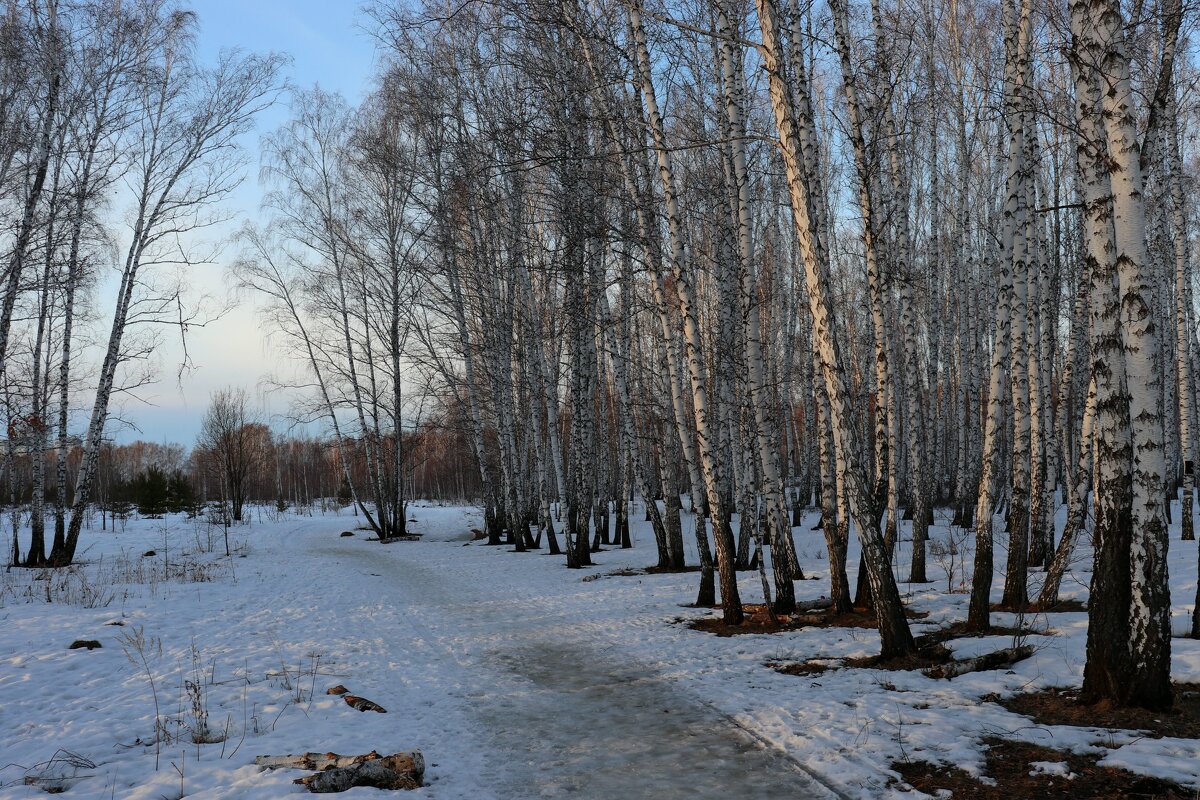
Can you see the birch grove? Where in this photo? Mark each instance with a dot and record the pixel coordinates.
(916, 266)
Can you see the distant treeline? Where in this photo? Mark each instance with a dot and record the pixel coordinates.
(154, 478)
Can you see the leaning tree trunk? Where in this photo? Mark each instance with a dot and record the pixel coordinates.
(894, 631)
(883, 386)
(39, 167)
(664, 346)
(1076, 508)
(705, 441)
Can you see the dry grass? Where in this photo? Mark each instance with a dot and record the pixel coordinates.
(1062, 707)
(758, 620)
(931, 652)
(1061, 607)
(100, 583)
(1009, 766)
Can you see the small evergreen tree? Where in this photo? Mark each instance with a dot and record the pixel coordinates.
(180, 494)
(345, 495)
(118, 503)
(149, 491)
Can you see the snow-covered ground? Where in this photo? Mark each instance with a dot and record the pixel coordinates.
(513, 675)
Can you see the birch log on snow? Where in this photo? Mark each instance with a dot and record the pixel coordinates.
(337, 773)
(1000, 659)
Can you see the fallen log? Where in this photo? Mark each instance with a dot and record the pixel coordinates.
(398, 771)
(313, 761)
(337, 773)
(997, 660)
(815, 605)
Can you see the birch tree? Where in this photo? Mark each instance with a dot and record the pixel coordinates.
(184, 163)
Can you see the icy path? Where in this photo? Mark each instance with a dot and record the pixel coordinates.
(558, 713)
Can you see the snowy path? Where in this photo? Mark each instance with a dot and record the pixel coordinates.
(560, 715)
(516, 677)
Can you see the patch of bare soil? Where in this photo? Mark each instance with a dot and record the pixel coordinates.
(959, 630)
(935, 660)
(930, 652)
(615, 574)
(657, 570)
(629, 572)
(1062, 606)
(757, 620)
(1062, 707)
(929, 655)
(1010, 768)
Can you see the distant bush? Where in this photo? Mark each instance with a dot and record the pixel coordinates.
(345, 495)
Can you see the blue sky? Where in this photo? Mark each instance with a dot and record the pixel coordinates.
(322, 36)
(328, 47)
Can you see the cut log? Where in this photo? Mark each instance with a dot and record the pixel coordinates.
(997, 660)
(336, 773)
(346, 534)
(339, 689)
(362, 703)
(398, 771)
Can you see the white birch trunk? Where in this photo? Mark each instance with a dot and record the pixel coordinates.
(677, 257)
(896, 637)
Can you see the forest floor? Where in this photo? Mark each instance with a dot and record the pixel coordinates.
(519, 678)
